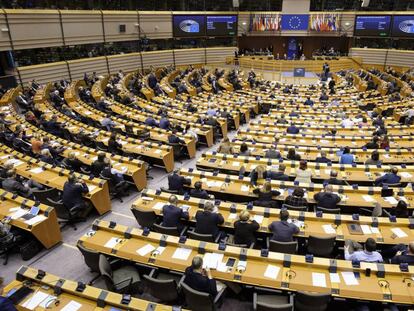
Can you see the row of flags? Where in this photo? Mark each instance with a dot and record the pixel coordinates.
(272, 22)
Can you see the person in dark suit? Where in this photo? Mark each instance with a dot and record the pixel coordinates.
(282, 230)
(198, 192)
(174, 139)
(389, 178)
(373, 144)
(172, 214)
(72, 162)
(5, 303)
(177, 182)
(327, 199)
(150, 121)
(73, 191)
(265, 195)
(292, 155)
(292, 129)
(113, 145)
(308, 102)
(98, 165)
(404, 255)
(280, 174)
(13, 185)
(207, 221)
(244, 229)
(333, 179)
(164, 123)
(322, 158)
(200, 279)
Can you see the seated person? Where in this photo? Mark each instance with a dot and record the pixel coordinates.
(47, 157)
(258, 173)
(113, 145)
(280, 174)
(388, 178)
(327, 199)
(244, 150)
(198, 192)
(404, 255)
(265, 195)
(172, 214)
(116, 176)
(372, 144)
(177, 182)
(207, 221)
(164, 123)
(108, 123)
(150, 121)
(244, 229)
(322, 158)
(11, 184)
(73, 191)
(292, 129)
(72, 163)
(400, 210)
(353, 251)
(225, 147)
(292, 155)
(5, 303)
(273, 154)
(200, 279)
(374, 159)
(98, 165)
(303, 174)
(333, 179)
(347, 157)
(174, 139)
(297, 198)
(283, 231)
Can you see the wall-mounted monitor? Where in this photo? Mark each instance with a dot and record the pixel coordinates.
(403, 26)
(372, 25)
(221, 25)
(189, 26)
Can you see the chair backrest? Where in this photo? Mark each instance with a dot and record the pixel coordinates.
(61, 210)
(261, 306)
(329, 210)
(239, 245)
(295, 208)
(165, 290)
(144, 218)
(311, 301)
(200, 237)
(196, 300)
(91, 257)
(106, 272)
(43, 195)
(396, 185)
(283, 247)
(321, 246)
(166, 230)
(163, 189)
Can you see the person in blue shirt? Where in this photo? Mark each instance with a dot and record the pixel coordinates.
(150, 121)
(347, 157)
(5, 303)
(309, 102)
(292, 129)
(389, 178)
(164, 124)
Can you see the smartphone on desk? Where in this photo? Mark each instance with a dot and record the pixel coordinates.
(230, 262)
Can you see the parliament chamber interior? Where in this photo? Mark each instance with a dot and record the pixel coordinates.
(207, 155)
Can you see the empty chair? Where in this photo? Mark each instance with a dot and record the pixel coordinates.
(67, 217)
(321, 246)
(91, 258)
(164, 290)
(199, 301)
(124, 279)
(270, 300)
(163, 189)
(328, 210)
(144, 218)
(295, 208)
(202, 237)
(308, 301)
(44, 194)
(283, 247)
(168, 230)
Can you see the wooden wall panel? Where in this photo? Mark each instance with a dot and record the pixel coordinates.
(157, 59)
(125, 62)
(44, 73)
(218, 55)
(189, 56)
(34, 29)
(4, 35)
(82, 27)
(156, 25)
(88, 65)
(369, 56)
(400, 58)
(112, 20)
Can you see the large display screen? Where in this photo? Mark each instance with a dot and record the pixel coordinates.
(189, 25)
(221, 25)
(403, 26)
(372, 25)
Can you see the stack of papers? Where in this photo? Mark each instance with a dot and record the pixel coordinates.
(111, 242)
(368, 198)
(18, 213)
(143, 251)
(35, 300)
(366, 229)
(159, 206)
(391, 200)
(36, 170)
(72, 306)
(258, 218)
(272, 272)
(406, 175)
(91, 187)
(318, 279)
(245, 188)
(35, 220)
(399, 232)
(349, 278)
(182, 253)
(212, 260)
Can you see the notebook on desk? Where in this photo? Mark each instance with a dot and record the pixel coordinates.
(355, 229)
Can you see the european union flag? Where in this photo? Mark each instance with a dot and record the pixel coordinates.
(295, 22)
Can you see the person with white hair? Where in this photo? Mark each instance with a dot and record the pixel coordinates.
(327, 199)
(208, 220)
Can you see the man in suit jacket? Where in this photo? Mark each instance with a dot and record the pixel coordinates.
(327, 199)
(322, 158)
(198, 192)
(11, 184)
(73, 192)
(389, 178)
(177, 182)
(200, 279)
(273, 154)
(207, 221)
(172, 214)
(333, 179)
(292, 129)
(282, 230)
(280, 174)
(174, 139)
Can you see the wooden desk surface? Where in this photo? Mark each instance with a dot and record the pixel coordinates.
(46, 230)
(241, 188)
(56, 177)
(313, 225)
(348, 172)
(88, 298)
(294, 272)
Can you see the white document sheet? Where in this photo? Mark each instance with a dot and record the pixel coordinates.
(406, 175)
(271, 272)
(35, 220)
(245, 188)
(375, 230)
(159, 205)
(349, 278)
(366, 229)
(318, 279)
(391, 200)
(19, 213)
(212, 260)
(147, 198)
(236, 164)
(368, 198)
(232, 216)
(143, 251)
(36, 170)
(72, 306)
(35, 300)
(111, 242)
(328, 229)
(258, 218)
(399, 232)
(91, 187)
(181, 253)
(334, 278)
(158, 151)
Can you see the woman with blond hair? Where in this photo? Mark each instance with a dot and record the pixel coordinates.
(225, 147)
(258, 173)
(265, 195)
(244, 229)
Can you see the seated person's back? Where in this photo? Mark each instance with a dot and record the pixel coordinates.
(207, 221)
(199, 279)
(283, 231)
